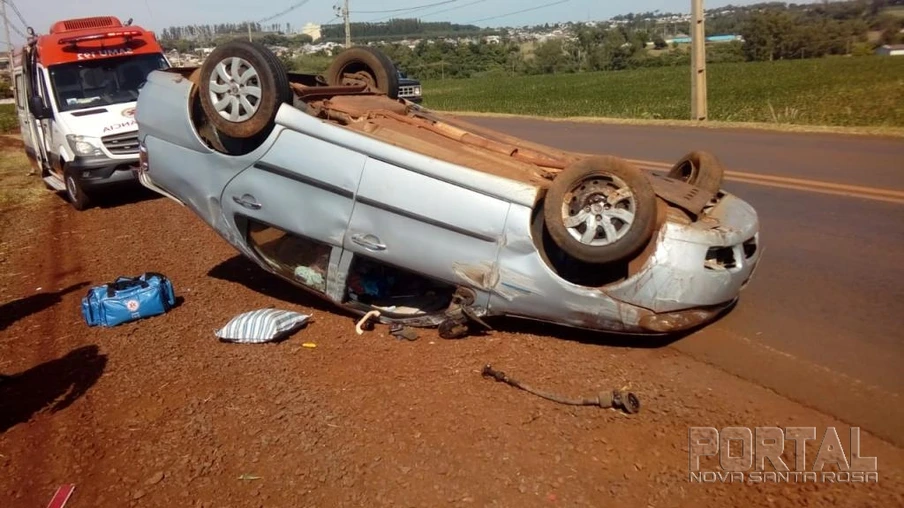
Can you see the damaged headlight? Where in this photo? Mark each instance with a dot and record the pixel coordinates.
(84, 145)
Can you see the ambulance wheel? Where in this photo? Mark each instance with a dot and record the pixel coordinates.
(75, 192)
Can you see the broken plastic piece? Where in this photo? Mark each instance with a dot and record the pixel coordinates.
(365, 319)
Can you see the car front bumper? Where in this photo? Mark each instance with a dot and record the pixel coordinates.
(101, 171)
(697, 267)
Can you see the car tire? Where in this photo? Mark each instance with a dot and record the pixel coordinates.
(591, 224)
(242, 86)
(378, 71)
(700, 169)
(75, 193)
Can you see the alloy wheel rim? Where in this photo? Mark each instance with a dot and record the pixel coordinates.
(599, 210)
(235, 89)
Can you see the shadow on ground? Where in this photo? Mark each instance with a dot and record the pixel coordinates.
(115, 196)
(241, 270)
(55, 384)
(123, 195)
(18, 309)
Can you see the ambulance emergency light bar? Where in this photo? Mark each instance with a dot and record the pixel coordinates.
(93, 37)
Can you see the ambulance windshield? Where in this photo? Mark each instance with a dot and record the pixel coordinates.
(101, 82)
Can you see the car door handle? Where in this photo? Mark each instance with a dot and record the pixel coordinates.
(247, 201)
(368, 242)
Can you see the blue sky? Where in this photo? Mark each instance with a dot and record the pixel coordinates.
(159, 14)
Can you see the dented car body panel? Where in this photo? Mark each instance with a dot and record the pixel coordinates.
(358, 197)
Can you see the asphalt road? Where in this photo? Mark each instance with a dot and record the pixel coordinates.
(821, 322)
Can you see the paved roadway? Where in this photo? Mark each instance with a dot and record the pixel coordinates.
(822, 321)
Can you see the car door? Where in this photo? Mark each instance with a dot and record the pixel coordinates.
(292, 208)
(34, 131)
(26, 125)
(427, 224)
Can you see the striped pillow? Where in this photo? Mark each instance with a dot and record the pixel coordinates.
(261, 325)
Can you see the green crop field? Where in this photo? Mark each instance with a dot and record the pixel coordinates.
(838, 91)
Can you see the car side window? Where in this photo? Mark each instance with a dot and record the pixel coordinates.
(20, 91)
(302, 259)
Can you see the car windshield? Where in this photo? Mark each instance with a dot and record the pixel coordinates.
(101, 82)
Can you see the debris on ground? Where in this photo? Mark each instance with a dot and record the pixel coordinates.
(403, 332)
(155, 478)
(616, 399)
(262, 325)
(61, 497)
(364, 323)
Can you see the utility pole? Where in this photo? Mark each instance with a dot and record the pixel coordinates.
(348, 28)
(698, 62)
(343, 11)
(249, 31)
(9, 46)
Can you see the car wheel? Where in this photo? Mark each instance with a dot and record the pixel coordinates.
(364, 65)
(242, 86)
(600, 210)
(700, 169)
(76, 193)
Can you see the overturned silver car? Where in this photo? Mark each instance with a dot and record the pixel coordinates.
(377, 204)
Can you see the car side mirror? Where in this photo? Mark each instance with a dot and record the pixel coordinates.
(38, 109)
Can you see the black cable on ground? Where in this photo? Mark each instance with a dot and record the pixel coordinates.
(626, 401)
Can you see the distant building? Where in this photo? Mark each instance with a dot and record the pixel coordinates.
(312, 30)
(891, 50)
(715, 39)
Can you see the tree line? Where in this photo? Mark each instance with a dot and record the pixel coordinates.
(770, 31)
(210, 32)
(398, 28)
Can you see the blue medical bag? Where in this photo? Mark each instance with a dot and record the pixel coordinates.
(128, 299)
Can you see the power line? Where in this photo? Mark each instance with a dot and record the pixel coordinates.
(283, 13)
(16, 10)
(410, 9)
(519, 12)
(330, 21)
(406, 8)
(6, 19)
(451, 8)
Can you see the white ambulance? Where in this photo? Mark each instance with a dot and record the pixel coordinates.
(76, 90)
